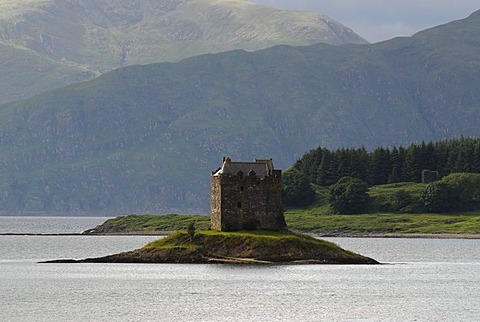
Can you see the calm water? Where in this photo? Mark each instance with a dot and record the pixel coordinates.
(48, 225)
(425, 280)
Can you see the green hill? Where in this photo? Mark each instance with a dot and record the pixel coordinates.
(145, 138)
(46, 44)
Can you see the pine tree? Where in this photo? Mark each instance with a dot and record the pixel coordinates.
(412, 170)
(429, 156)
(394, 175)
(325, 167)
(380, 166)
(476, 157)
(360, 163)
(402, 155)
(297, 190)
(324, 175)
(344, 166)
(309, 163)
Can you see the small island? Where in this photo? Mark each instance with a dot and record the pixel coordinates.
(243, 247)
(248, 227)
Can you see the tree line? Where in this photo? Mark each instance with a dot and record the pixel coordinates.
(325, 167)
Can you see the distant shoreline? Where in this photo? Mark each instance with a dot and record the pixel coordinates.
(317, 235)
(393, 235)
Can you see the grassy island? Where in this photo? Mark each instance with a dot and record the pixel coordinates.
(256, 247)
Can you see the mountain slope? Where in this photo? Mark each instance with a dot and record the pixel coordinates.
(84, 38)
(145, 138)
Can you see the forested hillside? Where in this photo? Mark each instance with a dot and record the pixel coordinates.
(324, 167)
(146, 138)
(388, 179)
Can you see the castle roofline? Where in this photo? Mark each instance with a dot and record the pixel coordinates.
(261, 167)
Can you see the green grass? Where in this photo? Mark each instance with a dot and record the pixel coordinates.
(313, 221)
(181, 239)
(243, 243)
(415, 189)
(151, 223)
(385, 198)
(318, 218)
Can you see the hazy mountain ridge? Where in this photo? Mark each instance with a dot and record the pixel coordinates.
(145, 138)
(84, 38)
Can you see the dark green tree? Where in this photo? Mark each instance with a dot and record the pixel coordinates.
(412, 170)
(360, 163)
(344, 168)
(326, 173)
(380, 166)
(349, 196)
(402, 201)
(394, 175)
(297, 190)
(429, 157)
(476, 157)
(324, 167)
(309, 163)
(467, 189)
(439, 197)
(451, 161)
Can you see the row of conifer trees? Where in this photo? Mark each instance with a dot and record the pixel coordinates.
(324, 167)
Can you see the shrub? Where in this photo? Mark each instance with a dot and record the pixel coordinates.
(439, 197)
(402, 201)
(191, 231)
(467, 187)
(455, 192)
(349, 196)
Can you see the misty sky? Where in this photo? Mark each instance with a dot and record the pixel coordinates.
(377, 20)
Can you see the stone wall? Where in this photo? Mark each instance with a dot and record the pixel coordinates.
(430, 176)
(215, 203)
(248, 202)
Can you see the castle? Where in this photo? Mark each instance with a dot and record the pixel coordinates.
(247, 196)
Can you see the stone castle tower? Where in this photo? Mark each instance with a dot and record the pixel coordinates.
(247, 196)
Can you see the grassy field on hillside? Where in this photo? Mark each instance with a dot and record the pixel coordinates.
(319, 218)
(315, 220)
(312, 220)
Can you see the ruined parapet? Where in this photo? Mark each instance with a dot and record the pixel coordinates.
(430, 176)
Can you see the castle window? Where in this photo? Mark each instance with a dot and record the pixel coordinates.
(239, 204)
(252, 173)
(241, 188)
(240, 174)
